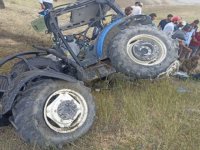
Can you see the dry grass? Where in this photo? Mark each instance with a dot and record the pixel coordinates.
(143, 115)
(187, 12)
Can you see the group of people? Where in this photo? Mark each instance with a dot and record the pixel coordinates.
(134, 10)
(187, 35)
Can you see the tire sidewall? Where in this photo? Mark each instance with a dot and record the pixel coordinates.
(123, 38)
(38, 111)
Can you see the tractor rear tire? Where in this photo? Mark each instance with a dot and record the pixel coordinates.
(52, 113)
(142, 52)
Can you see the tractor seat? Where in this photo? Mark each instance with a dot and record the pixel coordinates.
(82, 15)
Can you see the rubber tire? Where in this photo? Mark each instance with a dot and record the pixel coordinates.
(29, 120)
(38, 62)
(123, 63)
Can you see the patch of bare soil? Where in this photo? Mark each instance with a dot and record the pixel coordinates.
(5, 42)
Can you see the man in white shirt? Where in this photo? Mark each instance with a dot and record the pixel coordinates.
(137, 9)
(170, 27)
(194, 29)
(46, 4)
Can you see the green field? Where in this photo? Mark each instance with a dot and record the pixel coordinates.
(142, 115)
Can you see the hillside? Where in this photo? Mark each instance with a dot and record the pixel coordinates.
(125, 3)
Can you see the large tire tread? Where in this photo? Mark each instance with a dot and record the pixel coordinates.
(31, 129)
(120, 61)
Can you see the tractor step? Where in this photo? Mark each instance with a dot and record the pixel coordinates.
(98, 71)
(3, 83)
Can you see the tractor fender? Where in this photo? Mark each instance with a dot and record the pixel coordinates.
(14, 88)
(21, 54)
(111, 30)
(103, 35)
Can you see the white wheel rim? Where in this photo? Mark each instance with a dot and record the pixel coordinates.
(65, 111)
(155, 50)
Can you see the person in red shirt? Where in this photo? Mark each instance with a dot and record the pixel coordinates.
(195, 44)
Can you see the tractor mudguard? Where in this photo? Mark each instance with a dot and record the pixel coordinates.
(18, 83)
(19, 55)
(111, 30)
(104, 34)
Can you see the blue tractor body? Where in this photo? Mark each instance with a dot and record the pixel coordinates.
(102, 37)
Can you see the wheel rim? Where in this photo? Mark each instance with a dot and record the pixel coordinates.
(146, 50)
(65, 111)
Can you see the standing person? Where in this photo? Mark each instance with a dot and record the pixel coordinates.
(163, 22)
(137, 9)
(180, 25)
(194, 29)
(128, 11)
(181, 36)
(195, 44)
(194, 24)
(191, 34)
(170, 27)
(46, 4)
(153, 17)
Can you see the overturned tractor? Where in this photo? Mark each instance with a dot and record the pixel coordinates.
(44, 96)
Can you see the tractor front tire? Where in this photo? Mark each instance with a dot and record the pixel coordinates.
(142, 52)
(52, 113)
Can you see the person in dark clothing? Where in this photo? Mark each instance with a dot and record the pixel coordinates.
(194, 24)
(163, 22)
(153, 17)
